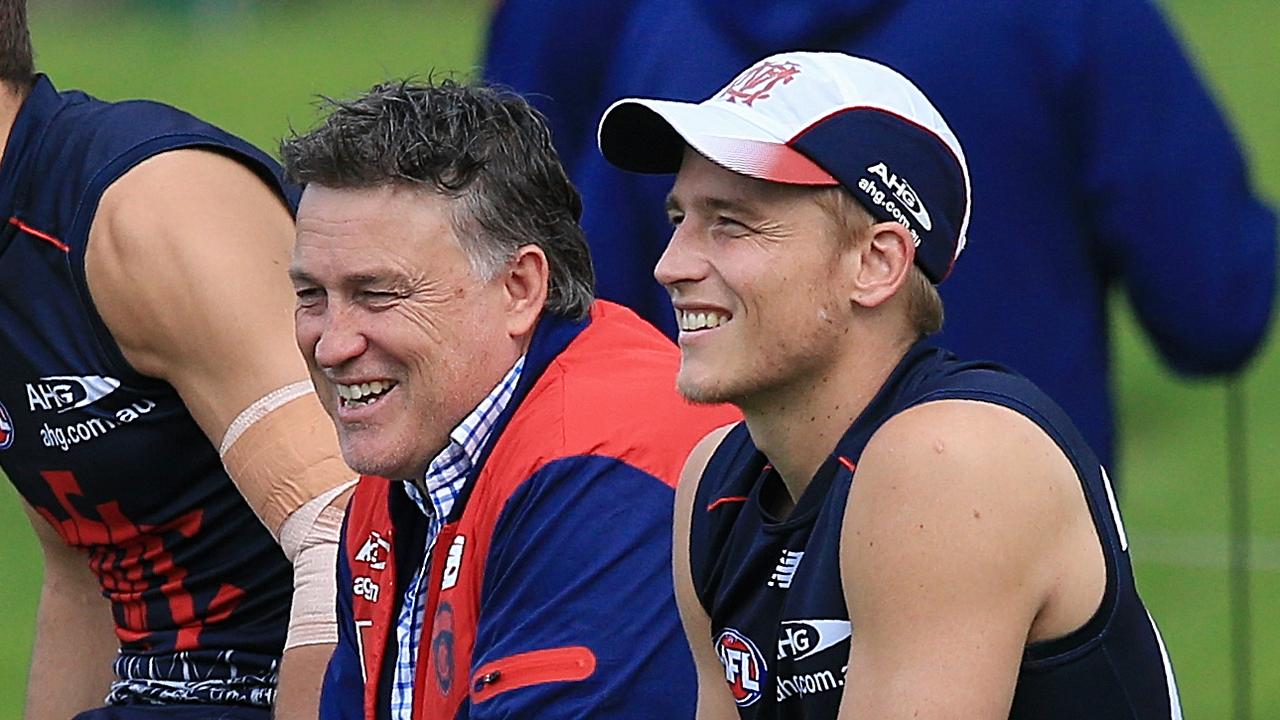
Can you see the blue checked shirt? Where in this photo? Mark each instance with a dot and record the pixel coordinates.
(444, 479)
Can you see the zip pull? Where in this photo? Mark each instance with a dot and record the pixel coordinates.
(487, 679)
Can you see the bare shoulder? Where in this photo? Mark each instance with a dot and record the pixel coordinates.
(178, 230)
(947, 488)
(141, 210)
(187, 266)
(967, 447)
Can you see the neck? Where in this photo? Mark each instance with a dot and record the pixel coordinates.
(797, 427)
(10, 102)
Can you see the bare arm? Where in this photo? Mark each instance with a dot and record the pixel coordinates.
(187, 266)
(714, 701)
(950, 561)
(75, 635)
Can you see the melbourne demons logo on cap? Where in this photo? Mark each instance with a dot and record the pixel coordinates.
(6, 428)
(758, 81)
(744, 667)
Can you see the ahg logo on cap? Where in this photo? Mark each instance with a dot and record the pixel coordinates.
(904, 192)
(758, 81)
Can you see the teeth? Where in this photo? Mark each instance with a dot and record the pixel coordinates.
(365, 392)
(698, 320)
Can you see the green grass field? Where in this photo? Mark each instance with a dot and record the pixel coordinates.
(256, 72)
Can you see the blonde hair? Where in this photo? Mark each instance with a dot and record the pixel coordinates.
(924, 304)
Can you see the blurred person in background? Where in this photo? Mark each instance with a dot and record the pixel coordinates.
(1099, 162)
(508, 550)
(155, 414)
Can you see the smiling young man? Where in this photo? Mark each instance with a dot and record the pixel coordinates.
(508, 552)
(892, 532)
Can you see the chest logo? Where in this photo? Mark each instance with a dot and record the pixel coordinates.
(372, 552)
(785, 572)
(442, 647)
(62, 393)
(6, 428)
(745, 670)
(798, 639)
(453, 563)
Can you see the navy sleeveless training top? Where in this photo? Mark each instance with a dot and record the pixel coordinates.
(773, 590)
(199, 589)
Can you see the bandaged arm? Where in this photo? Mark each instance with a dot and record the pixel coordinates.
(282, 452)
(186, 265)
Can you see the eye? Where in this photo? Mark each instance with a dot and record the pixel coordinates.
(675, 217)
(309, 296)
(729, 226)
(378, 298)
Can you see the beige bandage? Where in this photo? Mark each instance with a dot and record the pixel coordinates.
(312, 546)
(281, 452)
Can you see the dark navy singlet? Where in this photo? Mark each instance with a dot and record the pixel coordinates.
(773, 590)
(110, 458)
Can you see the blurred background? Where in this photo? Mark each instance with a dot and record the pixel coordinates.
(256, 68)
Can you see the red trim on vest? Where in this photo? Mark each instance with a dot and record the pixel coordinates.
(40, 234)
(564, 664)
(725, 500)
(370, 540)
(847, 463)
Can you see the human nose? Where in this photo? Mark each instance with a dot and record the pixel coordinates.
(680, 261)
(340, 338)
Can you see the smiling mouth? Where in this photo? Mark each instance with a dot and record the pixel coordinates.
(361, 394)
(693, 320)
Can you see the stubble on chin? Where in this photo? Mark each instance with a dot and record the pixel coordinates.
(702, 393)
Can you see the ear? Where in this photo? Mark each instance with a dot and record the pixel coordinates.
(883, 264)
(525, 280)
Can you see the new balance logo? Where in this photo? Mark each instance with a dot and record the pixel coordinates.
(786, 570)
(372, 551)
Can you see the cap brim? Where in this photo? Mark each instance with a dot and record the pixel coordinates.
(649, 136)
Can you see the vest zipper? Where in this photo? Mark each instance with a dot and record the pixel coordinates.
(563, 664)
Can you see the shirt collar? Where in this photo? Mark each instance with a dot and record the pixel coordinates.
(450, 468)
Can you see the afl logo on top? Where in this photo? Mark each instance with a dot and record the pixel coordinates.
(6, 428)
(756, 83)
(744, 667)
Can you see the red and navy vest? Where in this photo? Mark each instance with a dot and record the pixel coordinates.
(772, 587)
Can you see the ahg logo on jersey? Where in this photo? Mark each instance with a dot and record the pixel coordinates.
(744, 667)
(800, 639)
(68, 436)
(61, 393)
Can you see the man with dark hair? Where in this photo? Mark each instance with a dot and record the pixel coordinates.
(508, 552)
(152, 403)
(893, 532)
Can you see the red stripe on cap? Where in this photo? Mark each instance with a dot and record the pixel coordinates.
(775, 162)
